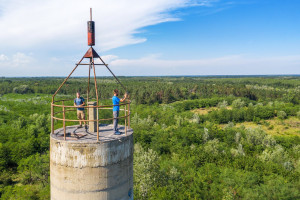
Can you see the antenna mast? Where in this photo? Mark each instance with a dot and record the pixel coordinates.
(91, 30)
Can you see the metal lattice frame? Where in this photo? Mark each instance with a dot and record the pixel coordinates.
(91, 54)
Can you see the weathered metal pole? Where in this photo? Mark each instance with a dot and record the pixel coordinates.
(91, 14)
(64, 119)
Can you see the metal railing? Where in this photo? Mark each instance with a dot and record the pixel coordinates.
(65, 109)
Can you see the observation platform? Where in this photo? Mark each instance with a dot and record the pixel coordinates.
(82, 135)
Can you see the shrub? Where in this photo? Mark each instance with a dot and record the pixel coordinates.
(237, 137)
(212, 147)
(34, 168)
(22, 89)
(229, 125)
(196, 118)
(269, 141)
(205, 136)
(255, 136)
(222, 104)
(281, 115)
(238, 103)
(238, 152)
(277, 155)
(146, 170)
(298, 114)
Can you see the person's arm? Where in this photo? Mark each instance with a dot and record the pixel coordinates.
(83, 103)
(125, 97)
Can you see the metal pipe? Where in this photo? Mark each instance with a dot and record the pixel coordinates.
(104, 106)
(75, 110)
(96, 97)
(129, 115)
(52, 120)
(125, 120)
(88, 91)
(106, 65)
(66, 79)
(89, 64)
(65, 110)
(64, 122)
(52, 115)
(91, 14)
(76, 120)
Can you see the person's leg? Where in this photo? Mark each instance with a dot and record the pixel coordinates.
(115, 121)
(83, 117)
(79, 116)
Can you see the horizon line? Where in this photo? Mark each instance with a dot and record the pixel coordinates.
(228, 75)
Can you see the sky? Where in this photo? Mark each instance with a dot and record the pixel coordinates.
(151, 38)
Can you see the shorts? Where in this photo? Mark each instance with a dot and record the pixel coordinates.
(80, 114)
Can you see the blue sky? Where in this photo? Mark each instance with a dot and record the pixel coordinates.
(159, 37)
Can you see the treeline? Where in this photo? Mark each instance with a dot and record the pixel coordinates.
(240, 110)
(165, 89)
(179, 153)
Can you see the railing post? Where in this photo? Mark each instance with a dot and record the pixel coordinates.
(97, 123)
(129, 114)
(52, 120)
(125, 119)
(64, 122)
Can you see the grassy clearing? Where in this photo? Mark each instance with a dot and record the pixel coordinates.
(290, 126)
(275, 126)
(204, 111)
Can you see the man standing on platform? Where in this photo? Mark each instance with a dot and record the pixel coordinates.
(79, 103)
(116, 101)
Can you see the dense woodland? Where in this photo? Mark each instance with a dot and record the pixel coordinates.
(195, 137)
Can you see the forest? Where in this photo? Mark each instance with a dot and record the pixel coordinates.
(215, 137)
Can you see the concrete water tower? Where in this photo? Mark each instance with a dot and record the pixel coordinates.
(92, 163)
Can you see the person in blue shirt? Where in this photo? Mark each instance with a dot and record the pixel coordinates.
(116, 101)
(79, 103)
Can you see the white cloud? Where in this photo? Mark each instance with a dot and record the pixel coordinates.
(17, 64)
(154, 65)
(53, 22)
(227, 65)
(21, 59)
(16, 60)
(3, 58)
(109, 58)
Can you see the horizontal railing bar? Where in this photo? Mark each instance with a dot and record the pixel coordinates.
(62, 100)
(103, 106)
(65, 110)
(75, 110)
(90, 99)
(88, 64)
(92, 120)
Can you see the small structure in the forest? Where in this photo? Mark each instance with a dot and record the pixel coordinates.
(91, 163)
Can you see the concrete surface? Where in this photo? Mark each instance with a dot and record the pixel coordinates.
(92, 115)
(83, 169)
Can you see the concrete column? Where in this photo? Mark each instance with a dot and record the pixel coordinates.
(92, 116)
(85, 169)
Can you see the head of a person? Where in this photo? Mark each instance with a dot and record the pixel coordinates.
(116, 92)
(78, 94)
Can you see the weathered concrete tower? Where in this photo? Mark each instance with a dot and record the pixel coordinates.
(90, 163)
(86, 169)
